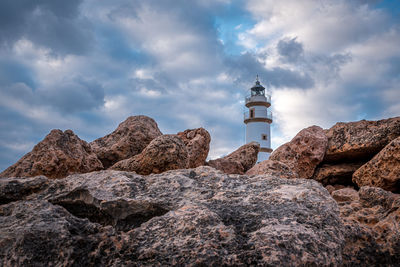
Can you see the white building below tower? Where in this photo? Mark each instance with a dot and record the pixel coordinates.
(258, 119)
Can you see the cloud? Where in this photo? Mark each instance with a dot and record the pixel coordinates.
(244, 68)
(88, 64)
(290, 49)
(53, 24)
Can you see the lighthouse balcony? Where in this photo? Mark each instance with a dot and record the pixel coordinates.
(258, 100)
(257, 116)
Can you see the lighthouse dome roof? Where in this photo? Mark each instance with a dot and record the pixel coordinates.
(257, 86)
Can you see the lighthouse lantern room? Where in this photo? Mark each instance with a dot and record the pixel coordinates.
(258, 119)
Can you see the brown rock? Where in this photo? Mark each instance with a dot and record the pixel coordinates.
(340, 173)
(335, 187)
(345, 194)
(383, 170)
(129, 139)
(360, 140)
(304, 152)
(166, 152)
(239, 161)
(197, 142)
(226, 166)
(273, 168)
(372, 223)
(56, 156)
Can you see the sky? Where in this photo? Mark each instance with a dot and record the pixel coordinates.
(87, 65)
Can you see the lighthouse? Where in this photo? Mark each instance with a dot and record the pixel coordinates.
(258, 119)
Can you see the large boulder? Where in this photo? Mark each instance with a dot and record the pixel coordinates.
(166, 152)
(129, 139)
(371, 218)
(383, 170)
(304, 152)
(56, 156)
(197, 143)
(361, 140)
(273, 168)
(239, 161)
(187, 217)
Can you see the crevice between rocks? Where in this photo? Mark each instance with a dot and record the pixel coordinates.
(121, 214)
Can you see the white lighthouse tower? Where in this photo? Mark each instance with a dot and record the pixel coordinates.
(258, 119)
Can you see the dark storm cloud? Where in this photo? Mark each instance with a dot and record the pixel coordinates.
(66, 97)
(73, 95)
(290, 49)
(55, 24)
(12, 71)
(246, 66)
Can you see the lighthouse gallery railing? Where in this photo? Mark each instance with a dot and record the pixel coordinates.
(258, 114)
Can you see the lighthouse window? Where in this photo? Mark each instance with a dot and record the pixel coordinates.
(264, 137)
(251, 113)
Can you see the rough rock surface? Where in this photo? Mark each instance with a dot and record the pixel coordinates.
(239, 161)
(304, 152)
(341, 173)
(197, 143)
(13, 189)
(355, 141)
(191, 217)
(37, 233)
(372, 223)
(273, 168)
(129, 139)
(383, 170)
(227, 166)
(166, 152)
(335, 187)
(345, 194)
(57, 155)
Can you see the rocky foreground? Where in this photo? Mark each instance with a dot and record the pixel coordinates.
(137, 197)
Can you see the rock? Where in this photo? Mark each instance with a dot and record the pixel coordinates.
(37, 233)
(197, 143)
(176, 239)
(13, 189)
(239, 161)
(340, 173)
(188, 217)
(166, 152)
(304, 152)
(56, 156)
(273, 168)
(361, 140)
(383, 170)
(332, 188)
(227, 166)
(129, 139)
(372, 223)
(345, 194)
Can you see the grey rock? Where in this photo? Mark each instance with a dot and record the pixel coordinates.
(13, 189)
(37, 233)
(190, 217)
